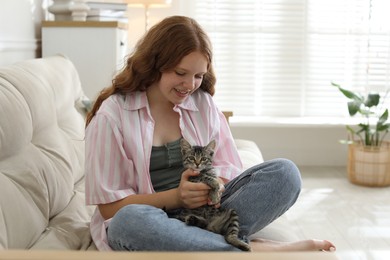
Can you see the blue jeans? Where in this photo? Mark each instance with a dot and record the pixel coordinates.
(259, 195)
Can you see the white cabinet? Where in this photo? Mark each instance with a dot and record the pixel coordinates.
(97, 49)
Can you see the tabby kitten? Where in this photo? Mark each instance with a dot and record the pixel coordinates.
(217, 220)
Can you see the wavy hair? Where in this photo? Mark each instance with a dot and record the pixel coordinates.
(160, 50)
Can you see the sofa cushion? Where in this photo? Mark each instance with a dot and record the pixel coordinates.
(249, 152)
(41, 147)
(70, 228)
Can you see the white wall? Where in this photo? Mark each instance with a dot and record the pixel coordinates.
(20, 29)
(20, 34)
(20, 26)
(304, 144)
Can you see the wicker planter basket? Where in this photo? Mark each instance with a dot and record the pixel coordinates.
(369, 166)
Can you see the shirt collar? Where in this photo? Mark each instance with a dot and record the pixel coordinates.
(137, 100)
(188, 104)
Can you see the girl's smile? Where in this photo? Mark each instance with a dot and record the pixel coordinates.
(177, 84)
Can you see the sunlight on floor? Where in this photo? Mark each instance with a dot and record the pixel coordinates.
(355, 218)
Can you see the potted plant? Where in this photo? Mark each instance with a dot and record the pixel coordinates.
(368, 151)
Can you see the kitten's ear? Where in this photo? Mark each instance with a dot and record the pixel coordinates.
(185, 145)
(211, 145)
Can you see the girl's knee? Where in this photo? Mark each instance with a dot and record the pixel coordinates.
(276, 173)
(285, 173)
(292, 173)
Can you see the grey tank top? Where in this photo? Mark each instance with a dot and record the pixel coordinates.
(166, 166)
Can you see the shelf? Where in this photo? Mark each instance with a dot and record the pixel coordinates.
(101, 24)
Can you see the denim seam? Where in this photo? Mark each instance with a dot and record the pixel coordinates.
(227, 202)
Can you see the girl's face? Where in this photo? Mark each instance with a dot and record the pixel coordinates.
(176, 85)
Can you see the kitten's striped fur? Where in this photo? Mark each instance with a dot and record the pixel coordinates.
(218, 220)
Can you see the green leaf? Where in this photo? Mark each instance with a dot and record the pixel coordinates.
(351, 95)
(363, 128)
(350, 129)
(353, 107)
(383, 118)
(384, 127)
(372, 100)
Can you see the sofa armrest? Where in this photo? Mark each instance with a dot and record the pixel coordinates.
(249, 152)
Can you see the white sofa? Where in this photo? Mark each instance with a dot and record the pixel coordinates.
(42, 157)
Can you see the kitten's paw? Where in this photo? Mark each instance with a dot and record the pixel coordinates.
(215, 198)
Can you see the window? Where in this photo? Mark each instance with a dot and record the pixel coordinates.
(278, 57)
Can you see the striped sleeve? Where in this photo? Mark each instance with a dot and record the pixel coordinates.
(227, 162)
(108, 170)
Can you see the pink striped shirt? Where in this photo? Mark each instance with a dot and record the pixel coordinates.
(119, 142)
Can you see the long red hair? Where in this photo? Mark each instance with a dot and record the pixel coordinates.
(160, 49)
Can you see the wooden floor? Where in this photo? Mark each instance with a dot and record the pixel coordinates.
(355, 218)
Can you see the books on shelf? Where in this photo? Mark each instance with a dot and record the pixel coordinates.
(107, 6)
(100, 11)
(122, 19)
(103, 12)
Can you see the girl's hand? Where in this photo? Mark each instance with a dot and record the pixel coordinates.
(192, 195)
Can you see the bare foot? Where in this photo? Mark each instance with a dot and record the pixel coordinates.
(262, 245)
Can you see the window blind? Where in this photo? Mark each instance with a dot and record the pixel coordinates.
(278, 57)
